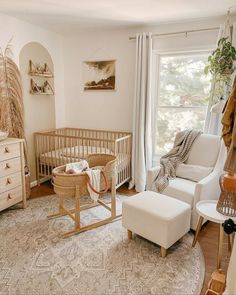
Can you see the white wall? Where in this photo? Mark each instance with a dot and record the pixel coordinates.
(99, 109)
(39, 109)
(24, 33)
(113, 110)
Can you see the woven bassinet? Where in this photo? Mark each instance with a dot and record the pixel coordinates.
(227, 202)
(65, 184)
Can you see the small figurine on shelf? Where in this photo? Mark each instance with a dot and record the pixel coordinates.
(46, 70)
(39, 70)
(47, 89)
(34, 88)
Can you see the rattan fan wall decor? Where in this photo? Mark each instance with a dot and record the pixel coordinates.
(11, 96)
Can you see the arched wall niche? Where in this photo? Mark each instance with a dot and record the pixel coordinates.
(39, 109)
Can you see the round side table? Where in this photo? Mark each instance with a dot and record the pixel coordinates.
(207, 210)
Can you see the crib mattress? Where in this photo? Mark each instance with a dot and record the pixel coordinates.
(74, 154)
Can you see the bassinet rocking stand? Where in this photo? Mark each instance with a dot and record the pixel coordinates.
(78, 190)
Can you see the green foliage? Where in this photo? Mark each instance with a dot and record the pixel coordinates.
(221, 62)
(183, 97)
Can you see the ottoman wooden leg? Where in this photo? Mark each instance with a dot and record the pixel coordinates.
(129, 234)
(163, 252)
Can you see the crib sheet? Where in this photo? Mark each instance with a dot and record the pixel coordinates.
(67, 155)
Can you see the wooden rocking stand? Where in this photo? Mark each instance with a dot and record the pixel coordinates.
(75, 186)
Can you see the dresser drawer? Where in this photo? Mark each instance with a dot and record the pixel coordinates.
(9, 182)
(10, 198)
(9, 151)
(10, 166)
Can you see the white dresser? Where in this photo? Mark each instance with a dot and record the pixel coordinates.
(12, 180)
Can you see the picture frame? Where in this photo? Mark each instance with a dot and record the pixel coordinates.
(99, 75)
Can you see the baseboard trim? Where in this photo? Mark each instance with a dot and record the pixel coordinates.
(35, 183)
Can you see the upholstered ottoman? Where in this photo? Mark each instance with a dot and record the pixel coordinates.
(156, 217)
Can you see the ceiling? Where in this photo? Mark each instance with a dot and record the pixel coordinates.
(65, 16)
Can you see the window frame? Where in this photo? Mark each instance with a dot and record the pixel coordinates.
(156, 58)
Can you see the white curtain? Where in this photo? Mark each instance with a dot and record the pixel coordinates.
(142, 133)
(213, 120)
(212, 123)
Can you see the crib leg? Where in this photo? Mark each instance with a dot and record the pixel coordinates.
(77, 208)
(113, 198)
(37, 177)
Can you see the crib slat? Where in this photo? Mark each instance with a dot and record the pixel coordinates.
(63, 145)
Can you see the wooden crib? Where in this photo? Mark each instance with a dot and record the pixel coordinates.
(58, 147)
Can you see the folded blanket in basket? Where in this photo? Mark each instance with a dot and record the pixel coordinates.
(93, 174)
(77, 167)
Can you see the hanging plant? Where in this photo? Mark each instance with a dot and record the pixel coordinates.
(221, 62)
(221, 65)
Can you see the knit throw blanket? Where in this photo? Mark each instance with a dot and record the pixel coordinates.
(177, 155)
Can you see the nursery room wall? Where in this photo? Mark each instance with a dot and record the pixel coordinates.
(113, 109)
(23, 33)
(32, 42)
(109, 109)
(39, 109)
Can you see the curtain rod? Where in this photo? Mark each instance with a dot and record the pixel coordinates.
(181, 32)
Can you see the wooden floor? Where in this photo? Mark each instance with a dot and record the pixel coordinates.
(208, 237)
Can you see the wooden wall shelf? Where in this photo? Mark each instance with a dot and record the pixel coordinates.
(44, 89)
(40, 71)
(41, 93)
(41, 75)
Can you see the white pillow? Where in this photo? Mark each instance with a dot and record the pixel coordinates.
(193, 172)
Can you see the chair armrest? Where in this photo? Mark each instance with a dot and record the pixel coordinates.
(151, 176)
(208, 188)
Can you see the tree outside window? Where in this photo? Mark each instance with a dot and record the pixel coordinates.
(182, 97)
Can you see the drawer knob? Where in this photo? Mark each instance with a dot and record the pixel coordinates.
(9, 196)
(8, 166)
(9, 181)
(7, 150)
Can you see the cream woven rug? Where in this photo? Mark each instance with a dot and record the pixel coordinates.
(35, 260)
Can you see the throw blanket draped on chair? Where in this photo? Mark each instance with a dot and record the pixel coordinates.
(177, 155)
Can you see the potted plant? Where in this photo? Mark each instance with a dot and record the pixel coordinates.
(221, 64)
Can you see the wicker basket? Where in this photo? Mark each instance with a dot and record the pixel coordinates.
(65, 184)
(217, 283)
(227, 201)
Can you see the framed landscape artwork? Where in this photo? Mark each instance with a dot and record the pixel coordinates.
(99, 75)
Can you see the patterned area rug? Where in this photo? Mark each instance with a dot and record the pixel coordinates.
(34, 259)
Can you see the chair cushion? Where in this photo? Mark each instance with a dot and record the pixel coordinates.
(204, 151)
(181, 189)
(193, 172)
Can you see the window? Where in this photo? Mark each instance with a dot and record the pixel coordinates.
(182, 97)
